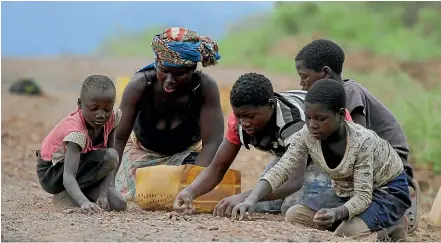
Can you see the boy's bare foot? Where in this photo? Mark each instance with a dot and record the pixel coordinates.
(64, 199)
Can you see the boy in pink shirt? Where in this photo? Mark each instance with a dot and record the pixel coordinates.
(75, 159)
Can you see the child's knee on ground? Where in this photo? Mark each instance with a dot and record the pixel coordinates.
(300, 214)
(355, 227)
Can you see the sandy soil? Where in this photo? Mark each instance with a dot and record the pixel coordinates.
(27, 213)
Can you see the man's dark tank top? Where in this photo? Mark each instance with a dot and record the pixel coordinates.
(173, 141)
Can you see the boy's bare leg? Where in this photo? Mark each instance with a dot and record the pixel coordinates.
(394, 233)
(115, 199)
(110, 161)
(302, 215)
(358, 229)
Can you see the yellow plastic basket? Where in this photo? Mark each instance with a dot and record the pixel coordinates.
(158, 186)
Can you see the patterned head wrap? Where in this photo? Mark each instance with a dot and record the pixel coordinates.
(181, 47)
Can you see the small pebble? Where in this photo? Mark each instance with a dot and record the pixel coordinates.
(200, 227)
(69, 211)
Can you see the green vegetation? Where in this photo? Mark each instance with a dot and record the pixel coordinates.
(417, 110)
(403, 31)
(384, 28)
(126, 45)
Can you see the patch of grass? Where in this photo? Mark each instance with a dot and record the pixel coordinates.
(377, 27)
(130, 45)
(249, 47)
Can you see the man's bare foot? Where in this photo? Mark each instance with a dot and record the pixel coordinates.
(64, 199)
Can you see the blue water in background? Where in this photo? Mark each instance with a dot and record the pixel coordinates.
(54, 28)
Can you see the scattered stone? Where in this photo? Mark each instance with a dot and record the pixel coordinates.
(69, 211)
(200, 227)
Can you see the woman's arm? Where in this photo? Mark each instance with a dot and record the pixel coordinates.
(131, 96)
(211, 120)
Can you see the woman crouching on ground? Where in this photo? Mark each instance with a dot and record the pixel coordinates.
(173, 110)
(369, 187)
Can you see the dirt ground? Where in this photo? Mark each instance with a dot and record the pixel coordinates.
(28, 215)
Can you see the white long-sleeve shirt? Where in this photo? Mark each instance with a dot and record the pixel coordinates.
(369, 163)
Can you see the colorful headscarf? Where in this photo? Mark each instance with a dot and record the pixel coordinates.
(181, 47)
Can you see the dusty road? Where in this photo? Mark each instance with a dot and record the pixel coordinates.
(27, 213)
